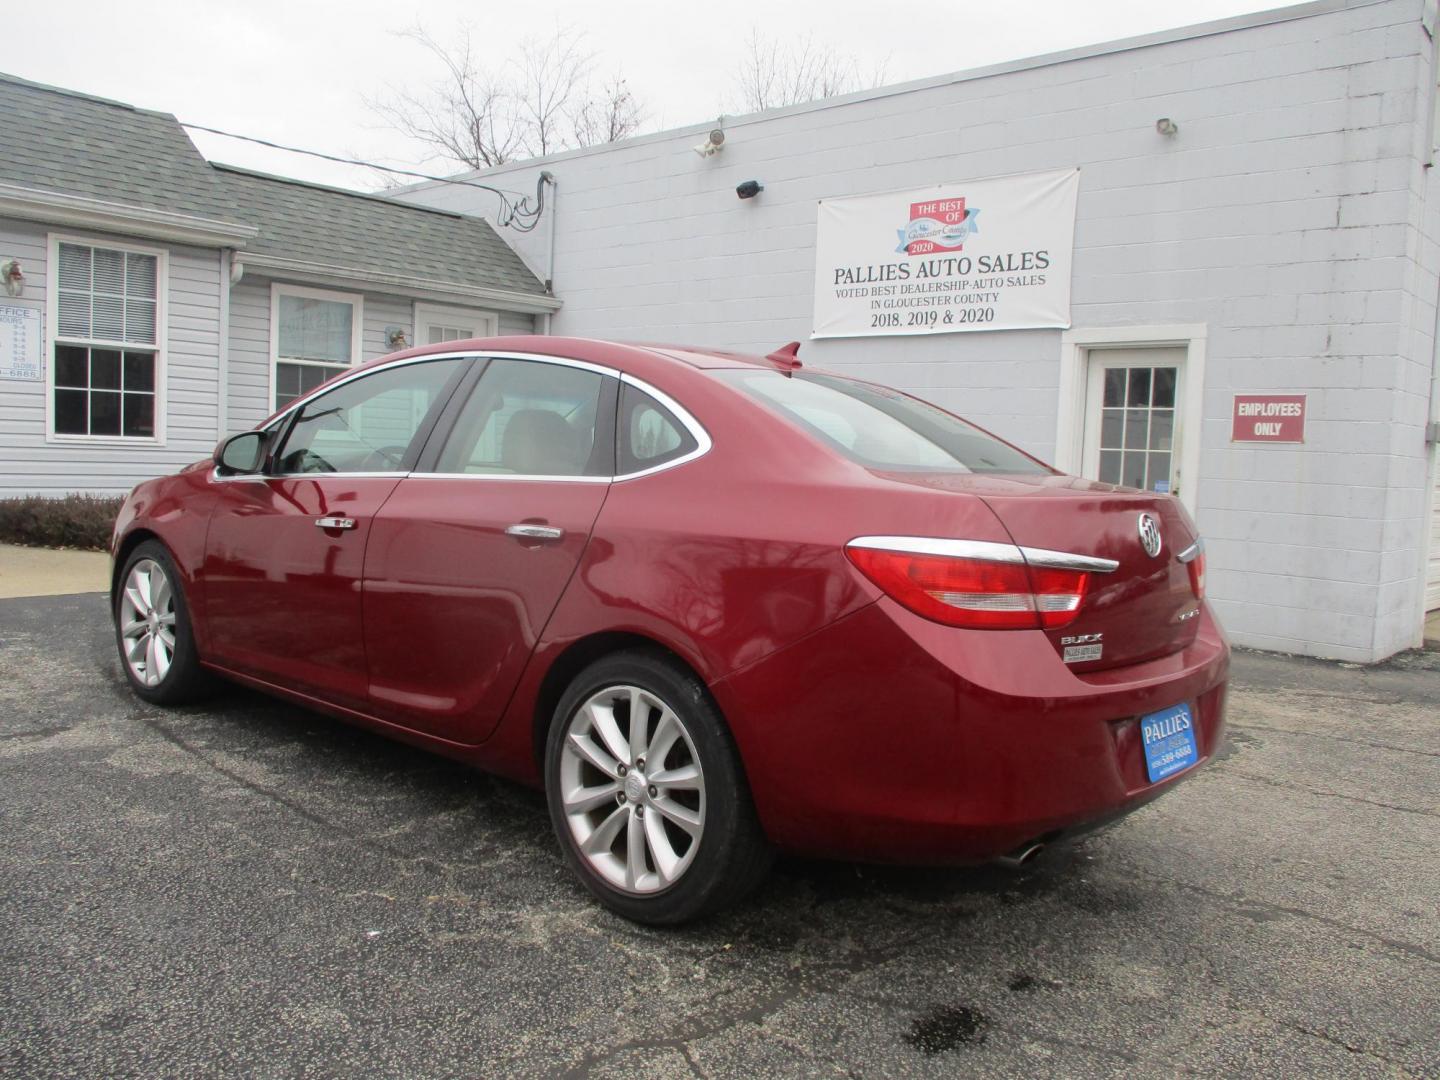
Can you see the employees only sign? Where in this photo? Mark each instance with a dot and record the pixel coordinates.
(984, 255)
(1268, 418)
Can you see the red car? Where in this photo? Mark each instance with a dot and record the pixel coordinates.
(716, 605)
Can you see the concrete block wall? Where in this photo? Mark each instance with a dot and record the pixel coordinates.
(1287, 216)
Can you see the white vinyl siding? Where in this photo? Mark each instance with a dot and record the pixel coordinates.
(34, 462)
(251, 363)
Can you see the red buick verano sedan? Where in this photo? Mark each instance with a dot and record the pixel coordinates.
(716, 605)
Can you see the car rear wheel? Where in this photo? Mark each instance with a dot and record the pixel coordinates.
(152, 629)
(647, 794)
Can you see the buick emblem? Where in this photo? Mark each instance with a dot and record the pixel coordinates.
(1150, 535)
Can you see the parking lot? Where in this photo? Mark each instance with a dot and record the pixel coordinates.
(248, 889)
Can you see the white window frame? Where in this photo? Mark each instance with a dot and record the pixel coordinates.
(422, 313)
(277, 290)
(1076, 349)
(160, 347)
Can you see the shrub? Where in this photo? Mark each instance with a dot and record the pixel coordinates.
(72, 521)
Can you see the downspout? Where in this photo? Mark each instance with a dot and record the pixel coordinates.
(222, 357)
(549, 177)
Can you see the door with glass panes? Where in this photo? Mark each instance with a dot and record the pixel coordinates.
(1133, 411)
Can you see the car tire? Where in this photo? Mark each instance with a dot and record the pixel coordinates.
(153, 630)
(688, 840)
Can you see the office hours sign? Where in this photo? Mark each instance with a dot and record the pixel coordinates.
(20, 333)
(982, 255)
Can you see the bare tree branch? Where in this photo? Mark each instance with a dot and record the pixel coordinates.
(608, 116)
(536, 104)
(771, 77)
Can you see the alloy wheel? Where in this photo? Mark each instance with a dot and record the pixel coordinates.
(147, 622)
(633, 789)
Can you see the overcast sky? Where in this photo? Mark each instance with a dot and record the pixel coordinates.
(299, 72)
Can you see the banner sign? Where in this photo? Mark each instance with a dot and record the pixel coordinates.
(984, 255)
(1268, 418)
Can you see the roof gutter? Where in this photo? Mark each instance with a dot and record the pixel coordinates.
(421, 288)
(78, 211)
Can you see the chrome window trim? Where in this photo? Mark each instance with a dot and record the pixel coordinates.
(687, 421)
(217, 478)
(532, 477)
(703, 443)
(1188, 555)
(988, 550)
(360, 373)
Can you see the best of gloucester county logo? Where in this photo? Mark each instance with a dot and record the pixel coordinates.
(938, 225)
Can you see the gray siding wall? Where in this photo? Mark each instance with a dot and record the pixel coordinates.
(250, 360)
(1289, 216)
(31, 465)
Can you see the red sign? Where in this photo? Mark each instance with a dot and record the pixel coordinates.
(1268, 418)
(937, 225)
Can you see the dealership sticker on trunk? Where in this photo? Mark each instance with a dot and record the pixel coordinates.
(1077, 654)
(1169, 738)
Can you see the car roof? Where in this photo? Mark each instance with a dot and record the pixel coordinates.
(618, 354)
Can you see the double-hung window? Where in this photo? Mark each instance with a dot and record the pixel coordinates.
(316, 335)
(106, 311)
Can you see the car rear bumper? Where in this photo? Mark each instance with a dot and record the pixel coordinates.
(887, 737)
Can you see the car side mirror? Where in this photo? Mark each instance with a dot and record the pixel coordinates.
(240, 454)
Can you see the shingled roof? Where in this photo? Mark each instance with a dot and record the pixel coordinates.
(347, 229)
(74, 144)
(62, 142)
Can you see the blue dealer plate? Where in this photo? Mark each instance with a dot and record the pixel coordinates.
(1169, 740)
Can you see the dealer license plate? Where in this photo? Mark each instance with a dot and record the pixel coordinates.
(1169, 740)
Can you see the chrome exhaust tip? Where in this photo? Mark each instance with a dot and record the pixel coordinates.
(1021, 855)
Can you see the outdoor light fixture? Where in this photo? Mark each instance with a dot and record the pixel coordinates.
(749, 189)
(713, 144)
(13, 276)
(395, 337)
(1166, 126)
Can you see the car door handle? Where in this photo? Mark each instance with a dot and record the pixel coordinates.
(535, 532)
(335, 523)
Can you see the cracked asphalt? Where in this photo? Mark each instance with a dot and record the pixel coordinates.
(247, 889)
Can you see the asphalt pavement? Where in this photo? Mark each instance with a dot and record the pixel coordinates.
(247, 889)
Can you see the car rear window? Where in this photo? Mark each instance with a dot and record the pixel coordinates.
(881, 428)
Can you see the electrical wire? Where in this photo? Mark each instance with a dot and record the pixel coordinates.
(522, 214)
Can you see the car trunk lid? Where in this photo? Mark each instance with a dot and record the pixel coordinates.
(1143, 609)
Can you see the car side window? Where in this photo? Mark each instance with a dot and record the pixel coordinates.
(650, 435)
(532, 418)
(367, 424)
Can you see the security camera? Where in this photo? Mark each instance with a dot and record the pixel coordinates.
(749, 189)
(712, 144)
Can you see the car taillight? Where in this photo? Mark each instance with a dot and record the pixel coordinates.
(1196, 567)
(1000, 593)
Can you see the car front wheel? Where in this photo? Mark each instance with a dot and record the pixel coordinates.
(152, 629)
(647, 794)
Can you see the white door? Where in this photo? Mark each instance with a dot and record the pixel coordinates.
(1133, 417)
(435, 325)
